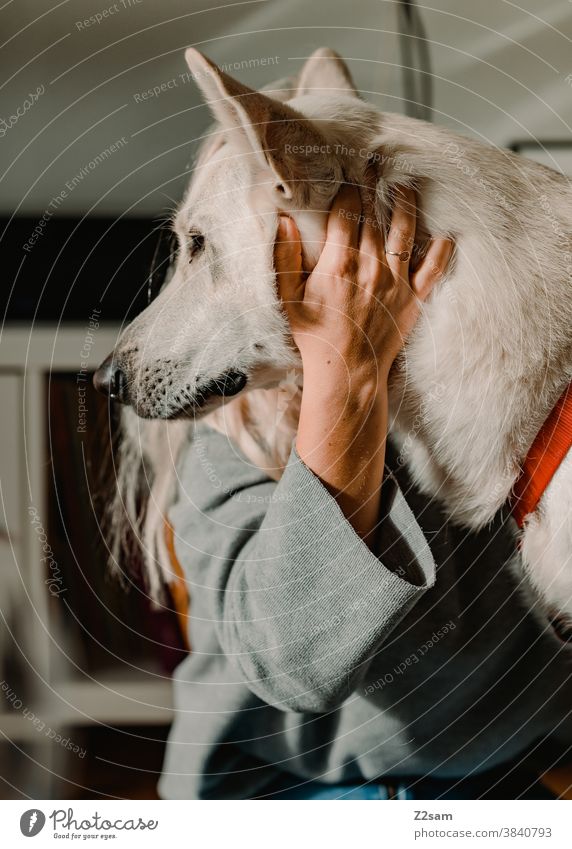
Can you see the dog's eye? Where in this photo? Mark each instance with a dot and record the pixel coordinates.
(196, 244)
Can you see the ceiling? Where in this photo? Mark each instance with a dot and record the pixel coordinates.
(502, 72)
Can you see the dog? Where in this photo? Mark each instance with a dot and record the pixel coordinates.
(486, 364)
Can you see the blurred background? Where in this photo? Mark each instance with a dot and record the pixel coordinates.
(99, 123)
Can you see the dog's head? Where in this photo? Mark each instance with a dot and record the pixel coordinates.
(217, 326)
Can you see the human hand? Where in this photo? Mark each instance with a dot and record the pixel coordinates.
(362, 300)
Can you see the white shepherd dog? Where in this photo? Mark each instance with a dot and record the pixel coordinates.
(484, 368)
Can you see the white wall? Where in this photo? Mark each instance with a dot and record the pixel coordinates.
(500, 73)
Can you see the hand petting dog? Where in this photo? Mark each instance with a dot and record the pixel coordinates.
(361, 302)
(349, 319)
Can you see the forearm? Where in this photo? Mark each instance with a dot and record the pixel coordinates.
(341, 437)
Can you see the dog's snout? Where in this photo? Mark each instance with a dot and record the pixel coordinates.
(110, 380)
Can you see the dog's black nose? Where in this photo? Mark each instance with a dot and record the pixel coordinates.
(110, 380)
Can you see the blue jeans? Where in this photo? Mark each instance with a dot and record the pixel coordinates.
(316, 790)
(524, 786)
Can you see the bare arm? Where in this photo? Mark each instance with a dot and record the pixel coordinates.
(349, 320)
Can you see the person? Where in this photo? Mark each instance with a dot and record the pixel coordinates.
(347, 641)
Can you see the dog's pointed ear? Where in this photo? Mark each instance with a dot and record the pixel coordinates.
(325, 73)
(270, 128)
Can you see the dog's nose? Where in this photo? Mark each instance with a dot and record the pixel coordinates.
(110, 380)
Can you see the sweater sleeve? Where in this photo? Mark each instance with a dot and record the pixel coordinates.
(301, 602)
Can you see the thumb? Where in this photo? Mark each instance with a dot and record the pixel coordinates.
(288, 259)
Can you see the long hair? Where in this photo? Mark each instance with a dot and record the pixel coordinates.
(261, 423)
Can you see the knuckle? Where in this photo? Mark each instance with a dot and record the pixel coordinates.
(371, 274)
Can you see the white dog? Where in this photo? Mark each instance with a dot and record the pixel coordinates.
(486, 364)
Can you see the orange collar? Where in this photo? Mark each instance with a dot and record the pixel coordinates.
(552, 443)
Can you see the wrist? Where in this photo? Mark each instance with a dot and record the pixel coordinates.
(335, 378)
(343, 396)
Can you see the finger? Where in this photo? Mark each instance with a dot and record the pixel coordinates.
(432, 267)
(371, 246)
(372, 261)
(401, 234)
(343, 223)
(288, 259)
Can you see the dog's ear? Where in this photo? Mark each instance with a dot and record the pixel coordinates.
(325, 73)
(272, 130)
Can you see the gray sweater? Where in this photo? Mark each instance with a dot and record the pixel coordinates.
(315, 657)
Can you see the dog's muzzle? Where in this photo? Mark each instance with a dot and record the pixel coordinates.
(111, 380)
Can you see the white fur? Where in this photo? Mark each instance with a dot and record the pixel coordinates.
(547, 543)
(491, 353)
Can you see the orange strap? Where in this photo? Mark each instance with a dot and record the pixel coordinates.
(552, 443)
(178, 587)
(559, 781)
